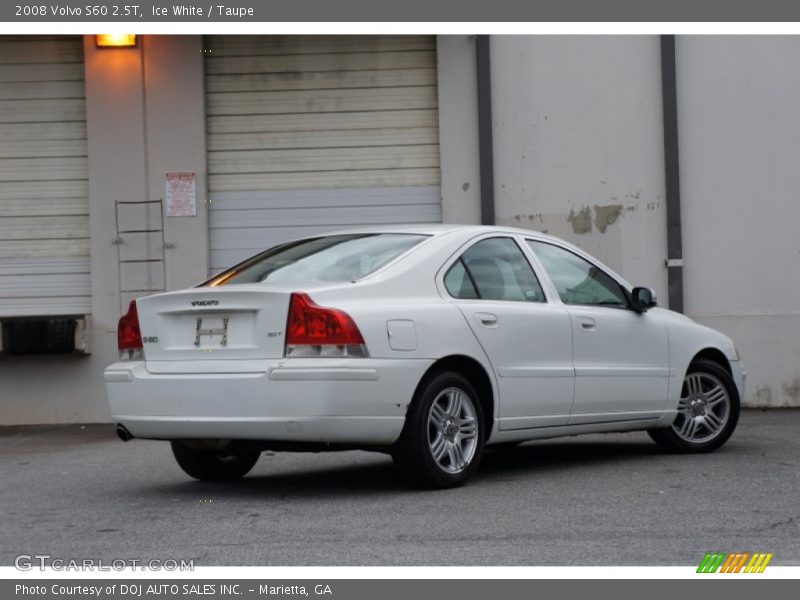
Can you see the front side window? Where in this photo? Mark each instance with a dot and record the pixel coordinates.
(577, 280)
(330, 258)
(494, 269)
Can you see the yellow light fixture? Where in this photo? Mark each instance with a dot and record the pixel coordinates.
(115, 40)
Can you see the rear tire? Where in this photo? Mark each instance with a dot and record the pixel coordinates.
(227, 463)
(442, 442)
(708, 411)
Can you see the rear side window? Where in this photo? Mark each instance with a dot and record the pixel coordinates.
(494, 269)
(458, 282)
(331, 258)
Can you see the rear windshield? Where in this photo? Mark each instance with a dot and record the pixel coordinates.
(330, 258)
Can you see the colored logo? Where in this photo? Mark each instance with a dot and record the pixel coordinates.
(738, 562)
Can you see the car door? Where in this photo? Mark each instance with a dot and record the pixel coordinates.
(620, 356)
(527, 339)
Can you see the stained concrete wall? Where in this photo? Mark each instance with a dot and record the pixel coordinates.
(145, 117)
(578, 146)
(578, 142)
(739, 131)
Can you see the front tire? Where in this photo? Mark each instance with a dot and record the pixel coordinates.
(708, 411)
(227, 462)
(442, 441)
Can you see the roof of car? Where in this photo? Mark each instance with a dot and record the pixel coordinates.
(435, 229)
(441, 229)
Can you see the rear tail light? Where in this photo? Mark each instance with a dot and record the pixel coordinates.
(129, 338)
(317, 331)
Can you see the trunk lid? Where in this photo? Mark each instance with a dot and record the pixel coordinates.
(210, 324)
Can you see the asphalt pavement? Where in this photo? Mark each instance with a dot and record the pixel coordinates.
(77, 492)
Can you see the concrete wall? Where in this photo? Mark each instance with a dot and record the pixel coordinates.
(738, 100)
(145, 117)
(578, 146)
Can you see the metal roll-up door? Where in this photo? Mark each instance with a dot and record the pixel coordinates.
(44, 205)
(313, 133)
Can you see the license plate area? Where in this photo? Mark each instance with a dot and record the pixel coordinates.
(181, 337)
(211, 331)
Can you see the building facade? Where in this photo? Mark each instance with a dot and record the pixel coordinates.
(286, 136)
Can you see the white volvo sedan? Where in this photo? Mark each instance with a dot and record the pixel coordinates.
(427, 342)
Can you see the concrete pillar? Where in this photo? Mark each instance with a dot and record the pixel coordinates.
(458, 129)
(176, 142)
(145, 117)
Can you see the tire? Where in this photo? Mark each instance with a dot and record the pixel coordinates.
(442, 441)
(708, 411)
(227, 463)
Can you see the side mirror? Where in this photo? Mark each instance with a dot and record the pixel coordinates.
(643, 298)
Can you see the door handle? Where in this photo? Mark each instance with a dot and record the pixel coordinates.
(587, 324)
(486, 319)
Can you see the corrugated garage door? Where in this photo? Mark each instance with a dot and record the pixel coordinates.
(44, 206)
(310, 133)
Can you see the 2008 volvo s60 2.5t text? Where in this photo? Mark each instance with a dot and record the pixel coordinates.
(428, 342)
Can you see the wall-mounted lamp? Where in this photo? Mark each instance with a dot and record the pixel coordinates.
(115, 40)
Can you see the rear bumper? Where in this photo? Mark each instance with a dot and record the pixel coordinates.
(348, 401)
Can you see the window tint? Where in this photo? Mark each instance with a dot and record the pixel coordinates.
(498, 269)
(329, 258)
(577, 280)
(458, 283)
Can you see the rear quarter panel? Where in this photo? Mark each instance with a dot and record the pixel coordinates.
(440, 327)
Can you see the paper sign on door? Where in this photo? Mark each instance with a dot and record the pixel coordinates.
(181, 195)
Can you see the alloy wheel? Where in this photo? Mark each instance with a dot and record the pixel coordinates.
(703, 408)
(452, 430)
